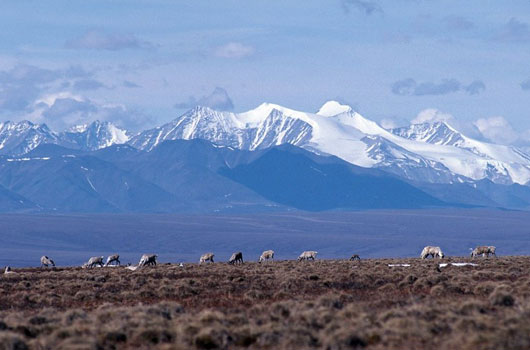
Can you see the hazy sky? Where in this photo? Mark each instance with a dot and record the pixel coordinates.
(142, 63)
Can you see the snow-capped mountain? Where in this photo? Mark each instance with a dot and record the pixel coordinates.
(228, 129)
(429, 152)
(93, 136)
(21, 137)
(437, 133)
(501, 164)
(18, 138)
(425, 152)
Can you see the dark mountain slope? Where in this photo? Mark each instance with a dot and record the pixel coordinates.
(296, 178)
(82, 184)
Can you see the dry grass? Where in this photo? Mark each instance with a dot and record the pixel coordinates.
(282, 305)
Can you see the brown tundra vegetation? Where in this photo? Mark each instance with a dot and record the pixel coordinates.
(322, 304)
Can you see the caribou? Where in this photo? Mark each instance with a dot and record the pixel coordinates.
(266, 255)
(485, 251)
(207, 257)
(355, 257)
(115, 258)
(309, 254)
(45, 261)
(93, 262)
(147, 259)
(433, 251)
(236, 259)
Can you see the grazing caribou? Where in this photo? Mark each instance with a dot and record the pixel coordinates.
(433, 251)
(309, 254)
(93, 262)
(266, 255)
(484, 251)
(115, 258)
(236, 259)
(355, 257)
(147, 260)
(45, 261)
(207, 257)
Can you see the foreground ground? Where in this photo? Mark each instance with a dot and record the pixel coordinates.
(326, 304)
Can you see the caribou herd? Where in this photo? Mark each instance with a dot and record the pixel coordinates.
(237, 258)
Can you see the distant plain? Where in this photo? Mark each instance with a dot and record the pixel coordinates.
(71, 239)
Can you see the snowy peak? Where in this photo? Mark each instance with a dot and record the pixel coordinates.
(437, 133)
(332, 108)
(360, 123)
(94, 136)
(17, 138)
(432, 152)
(260, 128)
(278, 129)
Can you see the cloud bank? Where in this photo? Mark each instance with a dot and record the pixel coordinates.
(88, 84)
(497, 129)
(234, 50)
(365, 6)
(515, 31)
(40, 95)
(409, 87)
(218, 99)
(431, 115)
(23, 83)
(97, 40)
(63, 110)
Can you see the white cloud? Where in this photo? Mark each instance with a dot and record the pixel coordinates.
(431, 115)
(64, 109)
(497, 129)
(525, 137)
(218, 99)
(409, 87)
(234, 50)
(50, 99)
(388, 123)
(392, 122)
(21, 84)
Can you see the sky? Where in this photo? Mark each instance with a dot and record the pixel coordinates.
(142, 63)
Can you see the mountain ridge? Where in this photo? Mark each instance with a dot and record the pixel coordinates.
(19, 138)
(434, 151)
(197, 176)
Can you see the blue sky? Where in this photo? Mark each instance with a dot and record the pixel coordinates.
(142, 63)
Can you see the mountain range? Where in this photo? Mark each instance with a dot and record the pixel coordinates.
(269, 158)
(19, 138)
(435, 152)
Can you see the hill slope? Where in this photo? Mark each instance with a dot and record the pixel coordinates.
(298, 179)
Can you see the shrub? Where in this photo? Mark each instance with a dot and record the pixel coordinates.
(12, 341)
(278, 306)
(211, 338)
(484, 288)
(438, 290)
(502, 296)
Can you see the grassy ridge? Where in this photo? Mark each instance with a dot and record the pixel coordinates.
(326, 304)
